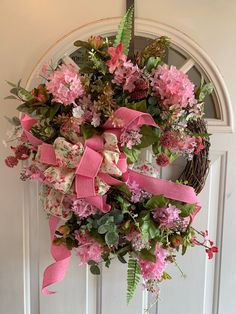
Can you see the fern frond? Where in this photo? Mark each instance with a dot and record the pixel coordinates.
(133, 278)
(124, 32)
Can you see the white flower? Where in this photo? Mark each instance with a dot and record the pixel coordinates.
(96, 120)
(77, 112)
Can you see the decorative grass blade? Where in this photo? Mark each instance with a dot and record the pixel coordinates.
(133, 278)
(124, 32)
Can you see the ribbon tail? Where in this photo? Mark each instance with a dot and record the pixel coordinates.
(56, 271)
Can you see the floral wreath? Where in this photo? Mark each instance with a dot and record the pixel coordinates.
(82, 132)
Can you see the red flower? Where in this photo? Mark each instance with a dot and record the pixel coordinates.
(11, 161)
(169, 140)
(117, 57)
(200, 146)
(162, 160)
(22, 152)
(210, 251)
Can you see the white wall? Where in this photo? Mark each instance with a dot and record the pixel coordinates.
(29, 27)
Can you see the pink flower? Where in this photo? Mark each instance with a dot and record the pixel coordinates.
(152, 271)
(131, 137)
(200, 146)
(126, 76)
(136, 240)
(138, 194)
(173, 86)
(162, 160)
(83, 208)
(65, 85)
(11, 161)
(211, 250)
(117, 57)
(169, 140)
(88, 248)
(167, 216)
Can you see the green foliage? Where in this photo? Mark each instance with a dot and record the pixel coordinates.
(95, 270)
(88, 130)
(149, 136)
(147, 226)
(147, 255)
(131, 154)
(133, 278)
(19, 92)
(152, 63)
(204, 90)
(156, 201)
(14, 121)
(124, 32)
(139, 106)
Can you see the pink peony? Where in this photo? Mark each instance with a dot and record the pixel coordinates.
(152, 271)
(167, 216)
(117, 57)
(173, 86)
(65, 85)
(88, 248)
(126, 75)
(83, 208)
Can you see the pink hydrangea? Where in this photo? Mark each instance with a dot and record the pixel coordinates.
(117, 57)
(136, 240)
(65, 85)
(138, 194)
(167, 217)
(126, 76)
(173, 86)
(83, 208)
(130, 137)
(88, 248)
(151, 270)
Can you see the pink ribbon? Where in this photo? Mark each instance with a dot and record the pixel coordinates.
(178, 192)
(56, 271)
(27, 123)
(128, 117)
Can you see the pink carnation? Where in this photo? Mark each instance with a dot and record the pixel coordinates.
(167, 216)
(88, 248)
(83, 208)
(162, 160)
(126, 76)
(173, 86)
(65, 85)
(152, 271)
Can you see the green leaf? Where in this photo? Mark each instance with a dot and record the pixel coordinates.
(88, 130)
(10, 97)
(24, 94)
(152, 63)
(139, 106)
(121, 259)
(156, 201)
(131, 154)
(53, 110)
(149, 229)
(133, 278)
(123, 188)
(204, 90)
(124, 204)
(124, 32)
(11, 84)
(147, 255)
(166, 276)
(111, 238)
(148, 137)
(83, 44)
(103, 229)
(95, 270)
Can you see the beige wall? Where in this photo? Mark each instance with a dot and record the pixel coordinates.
(29, 27)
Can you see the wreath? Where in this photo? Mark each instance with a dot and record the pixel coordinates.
(82, 131)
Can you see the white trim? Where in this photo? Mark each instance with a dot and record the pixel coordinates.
(148, 28)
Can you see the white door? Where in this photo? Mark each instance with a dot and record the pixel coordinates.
(26, 32)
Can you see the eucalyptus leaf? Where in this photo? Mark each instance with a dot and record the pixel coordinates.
(95, 270)
(111, 238)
